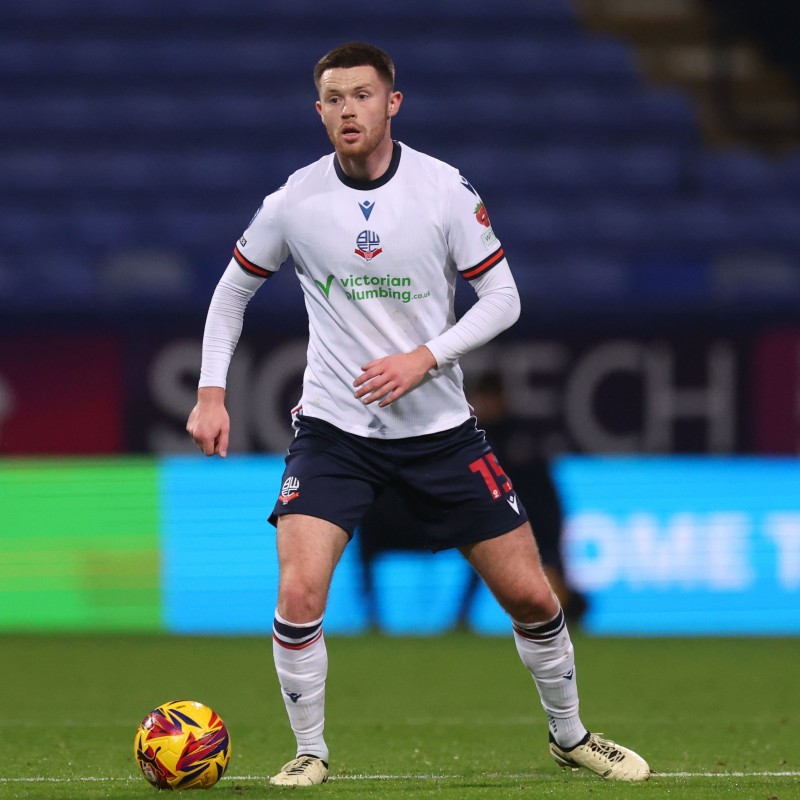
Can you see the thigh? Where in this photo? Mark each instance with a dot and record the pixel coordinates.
(309, 549)
(512, 570)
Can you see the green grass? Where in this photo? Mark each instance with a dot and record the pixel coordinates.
(449, 717)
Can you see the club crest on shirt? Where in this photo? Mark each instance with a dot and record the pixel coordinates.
(368, 245)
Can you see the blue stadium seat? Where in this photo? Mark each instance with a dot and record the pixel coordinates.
(736, 173)
(693, 221)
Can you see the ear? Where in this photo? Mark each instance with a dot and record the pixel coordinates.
(318, 106)
(395, 99)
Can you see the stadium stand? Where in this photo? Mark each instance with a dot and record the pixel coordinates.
(136, 140)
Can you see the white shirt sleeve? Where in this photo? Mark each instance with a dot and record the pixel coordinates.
(224, 322)
(496, 309)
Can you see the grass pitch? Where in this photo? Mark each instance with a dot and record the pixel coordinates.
(447, 717)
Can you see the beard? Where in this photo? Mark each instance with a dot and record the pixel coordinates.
(367, 142)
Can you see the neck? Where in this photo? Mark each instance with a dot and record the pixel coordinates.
(370, 167)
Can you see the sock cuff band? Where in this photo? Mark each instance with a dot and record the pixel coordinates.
(295, 637)
(301, 625)
(541, 631)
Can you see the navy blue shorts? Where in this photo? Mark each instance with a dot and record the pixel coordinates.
(450, 481)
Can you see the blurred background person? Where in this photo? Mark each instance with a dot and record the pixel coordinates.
(519, 450)
(390, 526)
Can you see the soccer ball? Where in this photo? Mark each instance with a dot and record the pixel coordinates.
(182, 745)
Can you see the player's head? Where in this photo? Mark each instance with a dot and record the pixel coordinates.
(357, 101)
(357, 54)
(488, 397)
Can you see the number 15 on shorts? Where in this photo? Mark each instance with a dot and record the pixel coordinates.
(493, 476)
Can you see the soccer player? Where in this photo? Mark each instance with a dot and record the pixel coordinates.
(379, 234)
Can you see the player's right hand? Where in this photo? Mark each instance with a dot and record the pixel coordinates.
(209, 424)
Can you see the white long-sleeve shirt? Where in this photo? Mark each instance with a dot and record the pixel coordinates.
(378, 263)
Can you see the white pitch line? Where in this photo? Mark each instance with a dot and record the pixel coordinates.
(539, 776)
(498, 776)
(786, 774)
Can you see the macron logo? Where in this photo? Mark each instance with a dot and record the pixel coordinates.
(512, 501)
(366, 208)
(293, 696)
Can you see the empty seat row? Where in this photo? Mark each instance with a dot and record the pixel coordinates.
(185, 120)
(526, 173)
(299, 13)
(280, 60)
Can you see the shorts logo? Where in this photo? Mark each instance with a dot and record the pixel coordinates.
(289, 490)
(368, 245)
(512, 501)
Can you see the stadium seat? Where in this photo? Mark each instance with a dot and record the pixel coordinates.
(737, 173)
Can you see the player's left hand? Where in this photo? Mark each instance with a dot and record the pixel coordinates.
(389, 378)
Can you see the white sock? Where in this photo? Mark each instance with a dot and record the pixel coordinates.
(546, 650)
(301, 661)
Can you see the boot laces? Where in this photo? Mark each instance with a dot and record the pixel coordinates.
(605, 749)
(300, 764)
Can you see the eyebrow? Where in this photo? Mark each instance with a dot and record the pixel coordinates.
(338, 89)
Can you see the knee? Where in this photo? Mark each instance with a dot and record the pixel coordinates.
(300, 602)
(535, 604)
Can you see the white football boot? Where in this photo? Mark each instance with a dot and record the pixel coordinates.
(603, 757)
(301, 771)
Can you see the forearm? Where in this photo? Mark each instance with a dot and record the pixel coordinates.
(496, 309)
(224, 324)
